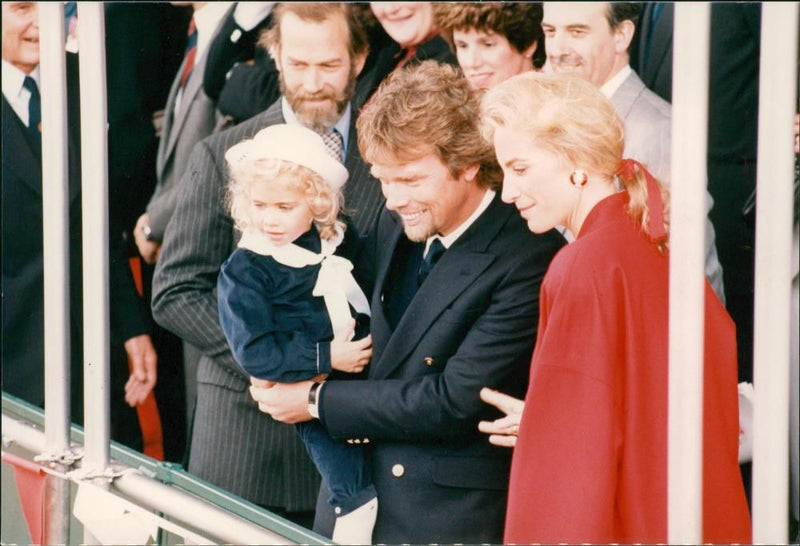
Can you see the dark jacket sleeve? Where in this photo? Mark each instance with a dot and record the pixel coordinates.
(247, 315)
(128, 308)
(250, 89)
(232, 45)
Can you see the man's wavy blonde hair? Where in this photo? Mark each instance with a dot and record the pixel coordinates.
(422, 109)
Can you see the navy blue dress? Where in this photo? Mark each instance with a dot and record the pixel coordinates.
(278, 330)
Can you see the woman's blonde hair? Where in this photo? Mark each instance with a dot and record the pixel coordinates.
(324, 202)
(569, 117)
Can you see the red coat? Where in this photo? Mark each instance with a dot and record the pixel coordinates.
(590, 463)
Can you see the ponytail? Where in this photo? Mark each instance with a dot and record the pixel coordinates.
(647, 201)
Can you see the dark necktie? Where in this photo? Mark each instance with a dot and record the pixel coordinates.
(191, 50)
(434, 253)
(34, 108)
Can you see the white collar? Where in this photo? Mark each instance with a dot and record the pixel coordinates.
(335, 282)
(343, 125)
(612, 84)
(450, 238)
(13, 78)
(290, 254)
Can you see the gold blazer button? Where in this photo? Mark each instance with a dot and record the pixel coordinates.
(428, 361)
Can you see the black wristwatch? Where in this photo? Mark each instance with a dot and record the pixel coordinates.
(313, 409)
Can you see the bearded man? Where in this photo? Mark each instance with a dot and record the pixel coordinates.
(319, 50)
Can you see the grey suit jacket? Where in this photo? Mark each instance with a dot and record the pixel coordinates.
(648, 139)
(183, 128)
(234, 445)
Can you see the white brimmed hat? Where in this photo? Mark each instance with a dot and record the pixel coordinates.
(293, 143)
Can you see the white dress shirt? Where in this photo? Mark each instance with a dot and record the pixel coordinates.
(14, 92)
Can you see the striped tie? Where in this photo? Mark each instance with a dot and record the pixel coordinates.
(191, 50)
(334, 144)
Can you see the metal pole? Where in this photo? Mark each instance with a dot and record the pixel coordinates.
(686, 295)
(55, 224)
(183, 508)
(94, 191)
(777, 94)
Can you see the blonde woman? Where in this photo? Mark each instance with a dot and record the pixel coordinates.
(590, 462)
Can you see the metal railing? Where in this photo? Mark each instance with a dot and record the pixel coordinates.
(197, 504)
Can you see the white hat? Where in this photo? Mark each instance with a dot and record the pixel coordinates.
(293, 143)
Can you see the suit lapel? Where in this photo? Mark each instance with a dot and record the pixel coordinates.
(362, 193)
(193, 87)
(167, 132)
(174, 121)
(624, 97)
(458, 268)
(17, 143)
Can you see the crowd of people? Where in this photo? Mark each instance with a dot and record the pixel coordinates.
(420, 233)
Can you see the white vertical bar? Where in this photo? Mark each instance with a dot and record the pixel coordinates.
(56, 229)
(686, 295)
(55, 214)
(94, 178)
(777, 95)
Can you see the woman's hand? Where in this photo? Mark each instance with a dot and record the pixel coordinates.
(503, 431)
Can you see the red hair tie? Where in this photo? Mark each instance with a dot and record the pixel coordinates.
(655, 205)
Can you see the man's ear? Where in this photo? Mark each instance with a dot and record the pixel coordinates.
(623, 35)
(275, 52)
(470, 174)
(359, 60)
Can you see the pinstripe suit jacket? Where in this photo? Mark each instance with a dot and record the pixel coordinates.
(234, 445)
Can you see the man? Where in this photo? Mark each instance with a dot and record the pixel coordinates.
(22, 245)
(319, 50)
(189, 116)
(591, 39)
(443, 326)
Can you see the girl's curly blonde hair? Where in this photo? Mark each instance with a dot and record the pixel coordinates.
(324, 202)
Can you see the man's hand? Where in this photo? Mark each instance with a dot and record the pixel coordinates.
(350, 356)
(285, 402)
(503, 431)
(148, 249)
(142, 358)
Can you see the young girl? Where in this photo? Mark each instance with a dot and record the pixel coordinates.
(285, 297)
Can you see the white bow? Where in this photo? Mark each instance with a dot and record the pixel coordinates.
(335, 282)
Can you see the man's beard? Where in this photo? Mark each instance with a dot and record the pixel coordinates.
(320, 119)
(421, 232)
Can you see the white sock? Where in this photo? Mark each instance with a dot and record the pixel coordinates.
(356, 527)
